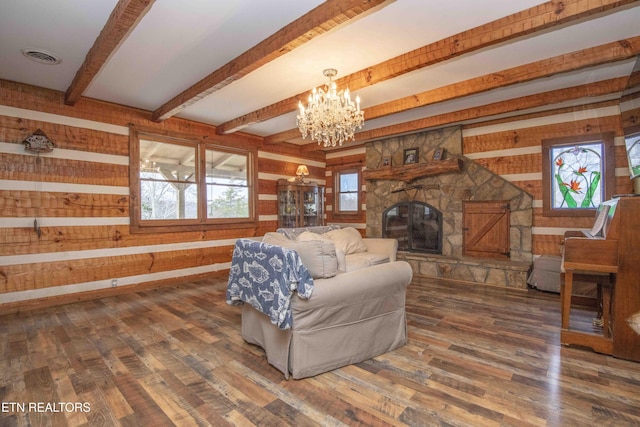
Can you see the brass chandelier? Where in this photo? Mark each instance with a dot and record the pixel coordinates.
(331, 117)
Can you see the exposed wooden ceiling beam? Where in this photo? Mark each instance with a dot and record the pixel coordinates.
(603, 54)
(588, 90)
(574, 61)
(503, 107)
(284, 136)
(323, 18)
(526, 22)
(121, 22)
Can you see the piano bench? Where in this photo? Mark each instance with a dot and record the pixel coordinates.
(546, 276)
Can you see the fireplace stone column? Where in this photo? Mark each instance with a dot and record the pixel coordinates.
(446, 193)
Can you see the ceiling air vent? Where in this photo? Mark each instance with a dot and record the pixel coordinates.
(41, 56)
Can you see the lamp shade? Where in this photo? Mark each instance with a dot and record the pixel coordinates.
(303, 170)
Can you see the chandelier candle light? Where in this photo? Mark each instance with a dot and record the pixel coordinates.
(331, 117)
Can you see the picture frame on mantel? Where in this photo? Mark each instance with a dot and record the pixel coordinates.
(410, 156)
(438, 154)
(386, 162)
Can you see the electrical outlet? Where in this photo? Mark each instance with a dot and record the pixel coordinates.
(114, 283)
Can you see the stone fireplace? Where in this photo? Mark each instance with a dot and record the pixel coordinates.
(412, 210)
(417, 226)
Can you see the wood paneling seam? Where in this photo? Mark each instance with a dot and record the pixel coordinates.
(22, 113)
(541, 121)
(61, 153)
(103, 284)
(107, 252)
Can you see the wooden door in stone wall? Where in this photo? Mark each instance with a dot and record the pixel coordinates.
(486, 229)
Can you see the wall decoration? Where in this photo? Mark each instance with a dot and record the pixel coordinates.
(410, 156)
(38, 142)
(438, 154)
(386, 162)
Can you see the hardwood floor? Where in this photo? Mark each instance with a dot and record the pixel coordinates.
(477, 356)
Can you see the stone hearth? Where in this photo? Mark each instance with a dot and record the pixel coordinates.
(446, 192)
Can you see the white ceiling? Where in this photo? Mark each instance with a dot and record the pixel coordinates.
(177, 43)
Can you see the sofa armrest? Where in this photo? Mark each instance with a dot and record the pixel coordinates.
(385, 246)
(351, 297)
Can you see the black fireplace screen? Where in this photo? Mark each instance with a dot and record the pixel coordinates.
(417, 227)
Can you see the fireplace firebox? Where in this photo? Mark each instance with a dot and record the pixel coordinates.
(417, 226)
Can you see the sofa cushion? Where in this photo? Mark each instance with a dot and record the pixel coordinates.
(293, 233)
(347, 239)
(362, 260)
(307, 236)
(342, 260)
(317, 255)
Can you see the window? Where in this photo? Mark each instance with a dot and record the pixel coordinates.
(578, 174)
(168, 188)
(189, 184)
(347, 187)
(227, 184)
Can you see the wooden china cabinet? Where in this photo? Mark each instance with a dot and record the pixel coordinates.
(300, 204)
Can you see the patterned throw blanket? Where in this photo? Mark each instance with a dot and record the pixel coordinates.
(266, 276)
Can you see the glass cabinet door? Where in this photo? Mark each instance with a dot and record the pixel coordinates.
(310, 203)
(300, 205)
(313, 202)
(288, 208)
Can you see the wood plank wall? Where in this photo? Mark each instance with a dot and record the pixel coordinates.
(79, 194)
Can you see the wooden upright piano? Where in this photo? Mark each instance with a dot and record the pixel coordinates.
(611, 248)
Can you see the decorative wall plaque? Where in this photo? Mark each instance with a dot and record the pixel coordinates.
(38, 142)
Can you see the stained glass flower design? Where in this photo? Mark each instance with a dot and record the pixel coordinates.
(578, 172)
(633, 155)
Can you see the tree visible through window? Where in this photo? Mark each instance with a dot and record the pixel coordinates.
(168, 188)
(227, 185)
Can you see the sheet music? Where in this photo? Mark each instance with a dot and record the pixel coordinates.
(600, 219)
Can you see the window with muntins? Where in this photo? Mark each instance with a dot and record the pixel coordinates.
(180, 183)
(347, 186)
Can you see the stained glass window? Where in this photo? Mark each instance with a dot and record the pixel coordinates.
(632, 143)
(577, 176)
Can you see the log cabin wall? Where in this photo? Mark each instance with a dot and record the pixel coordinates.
(80, 195)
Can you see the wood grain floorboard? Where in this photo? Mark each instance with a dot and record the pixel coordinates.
(476, 356)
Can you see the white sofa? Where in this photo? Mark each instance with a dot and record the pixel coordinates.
(351, 316)
(352, 251)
